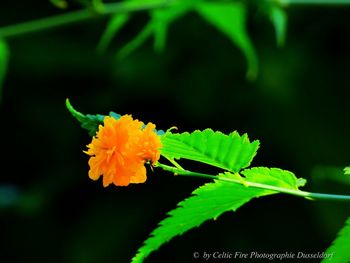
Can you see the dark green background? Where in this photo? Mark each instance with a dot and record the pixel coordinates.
(298, 108)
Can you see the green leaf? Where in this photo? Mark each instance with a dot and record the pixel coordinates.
(207, 202)
(338, 252)
(88, 121)
(278, 18)
(230, 19)
(91, 122)
(273, 176)
(230, 152)
(4, 58)
(114, 25)
(347, 170)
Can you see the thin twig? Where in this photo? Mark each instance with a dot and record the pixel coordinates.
(79, 16)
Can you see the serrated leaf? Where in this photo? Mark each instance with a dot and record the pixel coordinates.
(273, 176)
(114, 25)
(278, 18)
(230, 152)
(4, 58)
(230, 19)
(207, 202)
(338, 252)
(88, 121)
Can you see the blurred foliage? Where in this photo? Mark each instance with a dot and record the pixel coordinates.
(4, 56)
(298, 106)
(229, 17)
(347, 170)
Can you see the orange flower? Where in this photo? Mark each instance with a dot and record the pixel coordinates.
(120, 149)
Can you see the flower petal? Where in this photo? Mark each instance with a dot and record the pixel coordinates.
(120, 149)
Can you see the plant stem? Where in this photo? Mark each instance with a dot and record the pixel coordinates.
(308, 195)
(78, 16)
(117, 8)
(173, 162)
(312, 2)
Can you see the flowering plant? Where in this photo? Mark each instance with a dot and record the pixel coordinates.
(121, 147)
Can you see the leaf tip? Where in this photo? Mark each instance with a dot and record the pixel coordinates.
(301, 182)
(67, 102)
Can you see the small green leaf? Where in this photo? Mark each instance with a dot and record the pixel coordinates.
(207, 202)
(338, 252)
(114, 25)
(91, 122)
(347, 170)
(278, 18)
(230, 152)
(230, 19)
(273, 176)
(4, 58)
(88, 121)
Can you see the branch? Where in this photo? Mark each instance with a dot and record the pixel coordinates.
(79, 16)
(308, 195)
(311, 2)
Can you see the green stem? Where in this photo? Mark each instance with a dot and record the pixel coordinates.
(312, 2)
(173, 162)
(79, 16)
(308, 195)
